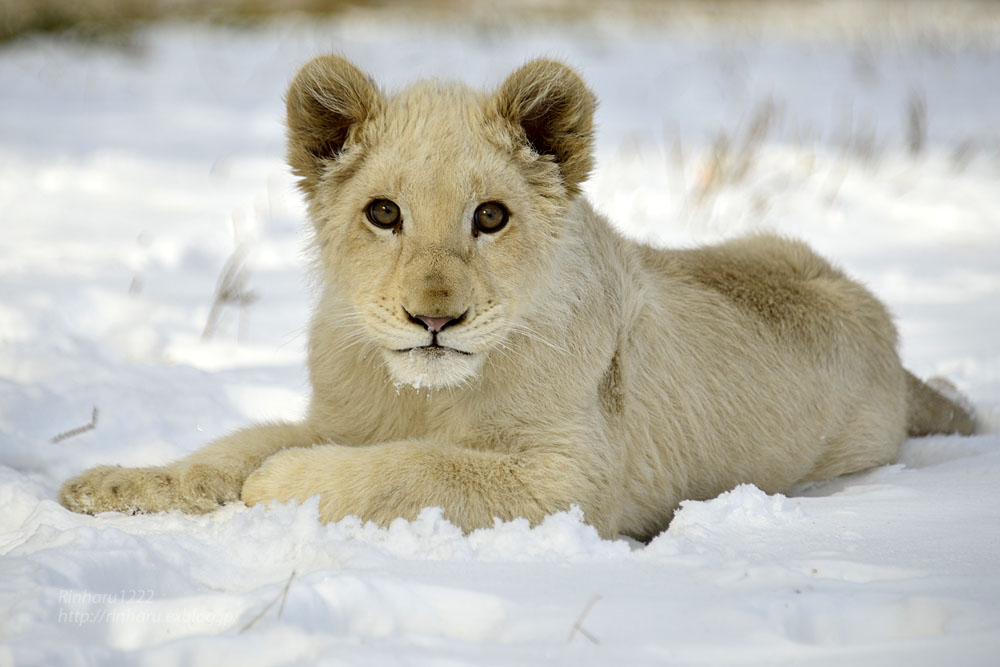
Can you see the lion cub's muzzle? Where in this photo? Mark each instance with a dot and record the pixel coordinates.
(440, 357)
(439, 334)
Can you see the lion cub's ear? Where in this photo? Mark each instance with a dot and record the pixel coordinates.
(327, 102)
(552, 106)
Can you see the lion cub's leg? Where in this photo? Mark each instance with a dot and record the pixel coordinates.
(197, 483)
(396, 480)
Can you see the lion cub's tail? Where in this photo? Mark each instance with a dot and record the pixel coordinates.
(936, 406)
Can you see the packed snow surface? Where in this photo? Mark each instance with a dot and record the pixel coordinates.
(130, 176)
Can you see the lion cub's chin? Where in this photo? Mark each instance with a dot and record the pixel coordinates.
(432, 368)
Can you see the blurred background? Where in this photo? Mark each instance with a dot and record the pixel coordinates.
(97, 19)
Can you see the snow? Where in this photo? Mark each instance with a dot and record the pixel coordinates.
(129, 177)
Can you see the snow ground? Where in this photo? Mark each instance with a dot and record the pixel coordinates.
(129, 177)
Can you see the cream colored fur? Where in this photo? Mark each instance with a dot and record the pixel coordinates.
(586, 368)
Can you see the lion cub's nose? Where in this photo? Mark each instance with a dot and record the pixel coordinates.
(434, 324)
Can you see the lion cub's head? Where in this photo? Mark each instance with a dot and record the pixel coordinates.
(438, 210)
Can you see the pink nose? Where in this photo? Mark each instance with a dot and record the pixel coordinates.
(434, 324)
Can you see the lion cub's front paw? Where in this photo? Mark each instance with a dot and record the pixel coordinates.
(286, 475)
(193, 487)
(87, 493)
(264, 485)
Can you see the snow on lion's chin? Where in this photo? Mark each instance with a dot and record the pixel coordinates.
(432, 368)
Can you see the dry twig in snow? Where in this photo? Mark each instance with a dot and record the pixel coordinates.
(77, 431)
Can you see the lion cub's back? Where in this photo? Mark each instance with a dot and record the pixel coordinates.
(778, 367)
(786, 287)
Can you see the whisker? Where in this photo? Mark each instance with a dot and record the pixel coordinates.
(532, 334)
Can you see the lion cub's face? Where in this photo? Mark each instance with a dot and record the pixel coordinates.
(437, 210)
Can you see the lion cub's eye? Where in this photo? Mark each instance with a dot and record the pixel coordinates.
(383, 213)
(490, 217)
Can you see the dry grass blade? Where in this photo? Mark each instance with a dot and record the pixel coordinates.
(578, 623)
(231, 290)
(916, 122)
(281, 608)
(733, 156)
(77, 431)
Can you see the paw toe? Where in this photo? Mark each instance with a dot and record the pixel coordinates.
(205, 487)
(83, 493)
(255, 490)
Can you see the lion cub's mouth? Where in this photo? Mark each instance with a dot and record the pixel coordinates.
(434, 349)
(433, 365)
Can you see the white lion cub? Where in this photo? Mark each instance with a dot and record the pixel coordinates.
(486, 343)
